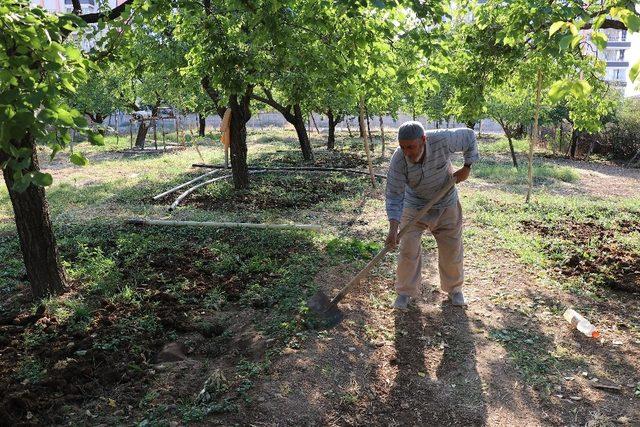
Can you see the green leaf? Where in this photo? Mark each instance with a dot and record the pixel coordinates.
(558, 90)
(632, 22)
(80, 121)
(21, 182)
(95, 138)
(576, 39)
(73, 53)
(65, 117)
(573, 29)
(565, 42)
(555, 27)
(580, 89)
(42, 179)
(599, 39)
(599, 21)
(47, 115)
(617, 11)
(634, 72)
(78, 159)
(55, 149)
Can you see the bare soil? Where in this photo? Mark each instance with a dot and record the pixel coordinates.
(508, 359)
(593, 252)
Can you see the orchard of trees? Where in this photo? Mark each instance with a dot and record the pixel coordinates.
(120, 307)
(521, 62)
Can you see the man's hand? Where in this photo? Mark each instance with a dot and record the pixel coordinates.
(392, 238)
(462, 174)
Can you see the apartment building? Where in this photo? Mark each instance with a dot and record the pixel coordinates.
(619, 55)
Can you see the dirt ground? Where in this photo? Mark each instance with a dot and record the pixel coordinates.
(602, 179)
(434, 364)
(437, 364)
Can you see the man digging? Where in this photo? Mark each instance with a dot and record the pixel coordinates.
(419, 168)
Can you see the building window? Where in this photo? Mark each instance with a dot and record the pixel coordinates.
(623, 35)
(620, 56)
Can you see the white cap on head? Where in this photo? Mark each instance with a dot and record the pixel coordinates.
(410, 130)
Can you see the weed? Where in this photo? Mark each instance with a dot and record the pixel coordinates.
(215, 299)
(30, 369)
(149, 397)
(35, 337)
(352, 248)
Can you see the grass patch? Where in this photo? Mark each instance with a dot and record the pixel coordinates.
(507, 174)
(501, 145)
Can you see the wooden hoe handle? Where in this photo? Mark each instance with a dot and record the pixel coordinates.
(365, 271)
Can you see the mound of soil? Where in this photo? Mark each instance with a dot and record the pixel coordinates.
(593, 253)
(49, 368)
(277, 191)
(324, 158)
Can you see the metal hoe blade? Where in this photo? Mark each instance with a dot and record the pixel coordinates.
(321, 305)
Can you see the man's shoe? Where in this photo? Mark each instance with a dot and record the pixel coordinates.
(457, 299)
(402, 302)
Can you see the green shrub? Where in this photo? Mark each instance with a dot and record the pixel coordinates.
(621, 138)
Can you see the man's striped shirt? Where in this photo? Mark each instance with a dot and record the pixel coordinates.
(413, 185)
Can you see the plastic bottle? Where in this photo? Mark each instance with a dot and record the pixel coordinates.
(580, 323)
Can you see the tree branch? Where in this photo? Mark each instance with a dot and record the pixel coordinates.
(77, 8)
(608, 23)
(92, 18)
(282, 109)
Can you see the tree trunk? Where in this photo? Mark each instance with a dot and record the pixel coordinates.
(240, 115)
(508, 132)
(201, 124)
(366, 143)
(534, 136)
(561, 141)
(35, 232)
(155, 133)
(591, 147)
(292, 114)
(361, 123)
(575, 135)
(366, 114)
(99, 120)
(144, 128)
(513, 152)
(141, 135)
(382, 135)
(331, 141)
(314, 122)
(301, 131)
(349, 129)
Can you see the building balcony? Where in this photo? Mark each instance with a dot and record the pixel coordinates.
(617, 64)
(614, 44)
(617, 83)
